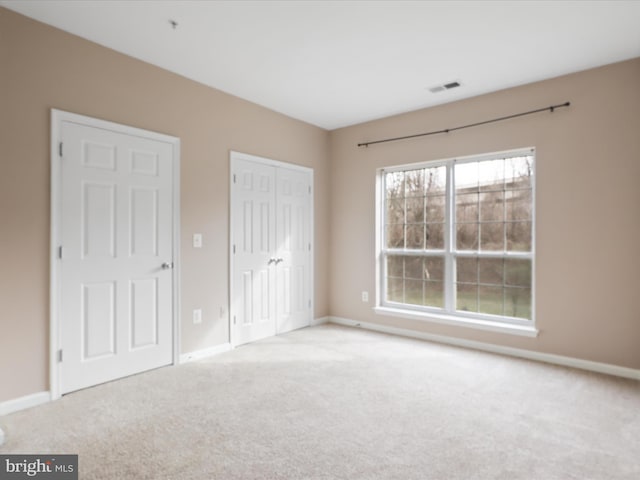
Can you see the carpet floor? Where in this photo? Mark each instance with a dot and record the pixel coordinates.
(332, 402)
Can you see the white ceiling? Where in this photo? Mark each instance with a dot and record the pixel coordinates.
(338, 63)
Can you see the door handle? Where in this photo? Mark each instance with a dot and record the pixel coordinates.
(167, 265)
(278, 260)
(272, 260)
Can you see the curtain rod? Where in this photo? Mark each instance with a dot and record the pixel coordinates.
(447, 130)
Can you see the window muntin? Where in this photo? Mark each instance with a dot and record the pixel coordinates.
(458, 237)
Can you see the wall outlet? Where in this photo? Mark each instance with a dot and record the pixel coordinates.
(365, 297)
(197, 316)
(197, 240)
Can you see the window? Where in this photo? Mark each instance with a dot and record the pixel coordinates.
(456, 239)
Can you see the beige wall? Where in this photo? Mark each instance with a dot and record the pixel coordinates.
(587, 211)
(43, 68)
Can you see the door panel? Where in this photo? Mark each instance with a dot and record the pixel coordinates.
(98, 211)
(144, 312)
(116, 301)
(98, 320)
(143, 212)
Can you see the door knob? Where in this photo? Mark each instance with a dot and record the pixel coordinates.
(167, 266)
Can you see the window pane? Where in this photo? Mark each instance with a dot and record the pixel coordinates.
(394, 184)
(517, 302)
(395, 289)
(491, 271)
(394, 235)
(414, 183)
(467, 269)
(413, 267)
(415, 210)
(395, 210)
(519, 205)
(467, 236)
(415, 236)
(467, 207)
(395, 266)
(467, 298)
(413, 292)
(492, 206)
(519, 236)
(436, 208)
(490, 300)
(491, 175)
(519, 172)
(434, 268)
(434, 294)
(435, 180)
(492, 236)
(466, 177)
(415, 280)
(435, 235)
(517, 272)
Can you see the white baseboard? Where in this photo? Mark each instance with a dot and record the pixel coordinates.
(204, 353)
(488, 347)
(28, 401)
(319, 321)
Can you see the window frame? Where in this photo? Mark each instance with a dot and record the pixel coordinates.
(448, 314)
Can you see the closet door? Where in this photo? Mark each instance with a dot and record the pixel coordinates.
(253, 209)
(271, 278)
(294, 249)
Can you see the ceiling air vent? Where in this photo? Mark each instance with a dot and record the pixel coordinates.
(446, 86)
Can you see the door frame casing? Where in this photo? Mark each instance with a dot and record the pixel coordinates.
(58, 117)
(279, 164)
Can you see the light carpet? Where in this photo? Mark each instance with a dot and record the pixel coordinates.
(333, 402)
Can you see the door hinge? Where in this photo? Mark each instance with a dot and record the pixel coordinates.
(59, 356)
(60, 149)
(309, 246)
(234, 178)
(234, 319)
(234, 249)
(309, 303)
(60, 252)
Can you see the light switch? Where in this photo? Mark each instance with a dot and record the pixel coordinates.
(197, 240)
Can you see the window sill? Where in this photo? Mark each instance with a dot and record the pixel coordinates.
(522, 330)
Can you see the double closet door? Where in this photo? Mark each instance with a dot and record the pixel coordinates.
(271, 251)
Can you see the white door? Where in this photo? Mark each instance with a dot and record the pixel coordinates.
(116, 236)
(293, 242)
(253, 218)
(271, 274)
